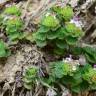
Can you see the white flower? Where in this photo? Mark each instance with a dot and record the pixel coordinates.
(77, 23)
(74, 68)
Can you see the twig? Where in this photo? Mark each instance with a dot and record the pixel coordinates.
(13, 91)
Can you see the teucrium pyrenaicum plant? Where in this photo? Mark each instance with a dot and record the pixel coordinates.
(76, 78)
(65, 13)
(12, 23)
(4, 50)
(12, 10)
(58, 33)
(14, 28)
(30, 77)
(56, 30)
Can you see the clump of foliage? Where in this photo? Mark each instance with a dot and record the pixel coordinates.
(4, 50)
(30, 77)
(77, 79)
(63, 73)
(12, 10)
(65, 12)
(60, 69)
(14, 28)
(90, 76)
(11, 22)
(12, 25)
(58, 33)
(90, 54)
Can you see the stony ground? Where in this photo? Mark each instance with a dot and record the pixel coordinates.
(25, 55)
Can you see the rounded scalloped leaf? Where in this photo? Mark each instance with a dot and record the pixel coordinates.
(52, 35)
(62, 33)
(61, 44)
(89, 50)
(90, 54)
(59, 51)
(57, 9)
(77, 50)
(15, 36)
(12, 10)
(70, 27)
(25, 80)
(73, 30)
(67, 13)
(90, 58)
(50, 21)
(43, 29)
(71, 41)
(90, 76)
(14, 22)
(60, 69)
(40, 36)
(29, 36)
(4, 51)
(31, 72)
(41, 43)
(28, 86)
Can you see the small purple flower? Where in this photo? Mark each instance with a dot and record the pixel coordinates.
(76, 18)
(95, 66)
(76, 21)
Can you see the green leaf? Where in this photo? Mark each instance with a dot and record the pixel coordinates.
(66, 12)
(30, 77)
(71, 41)
(59, 51)
(93, 87)
(80, 88)
(84, 86)
(90, 58)
(43, 29)
(27, 86)
(40, 36)
(77, 50)
(67, 80)
(89, 50)
(28, 81)
(73, 30)
(90, 54)
(59, 69)
(62, 33)
(16, 23)
(12, 10)
(4, 51)
(29, 36)
(61, 44)
(50, 21)
(13, 28)
(76, 89)
(15, 36)
(51, 35)
(56, 9)
(41, 43)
